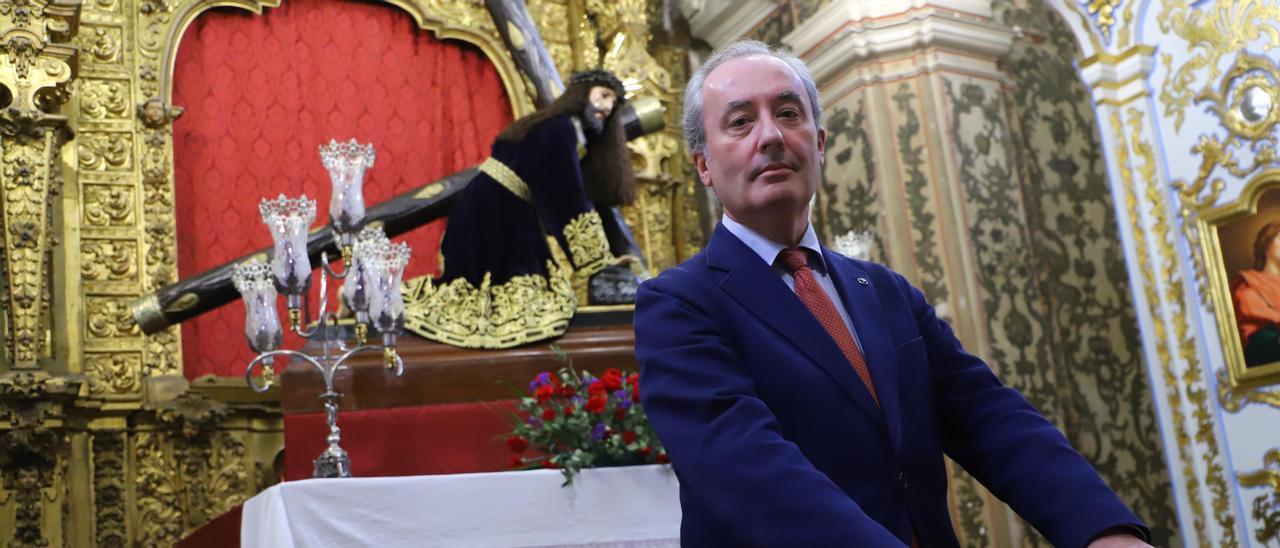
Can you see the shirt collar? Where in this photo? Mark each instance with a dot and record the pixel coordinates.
(768, 250)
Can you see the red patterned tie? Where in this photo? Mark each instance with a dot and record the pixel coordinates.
(811, 294)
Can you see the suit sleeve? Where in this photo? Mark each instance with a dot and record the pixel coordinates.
(726, 445)
(1006, 444)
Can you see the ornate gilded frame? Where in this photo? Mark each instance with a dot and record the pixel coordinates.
(1209, 220)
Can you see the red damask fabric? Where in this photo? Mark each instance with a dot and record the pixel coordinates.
(451, 438)
(262, 92)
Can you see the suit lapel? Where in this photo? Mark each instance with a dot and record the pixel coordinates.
(863, 306)
(758, 287)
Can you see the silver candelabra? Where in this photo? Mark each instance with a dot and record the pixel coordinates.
(372, 270)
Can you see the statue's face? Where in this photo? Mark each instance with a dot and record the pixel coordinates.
(600, 103)
(153, 112)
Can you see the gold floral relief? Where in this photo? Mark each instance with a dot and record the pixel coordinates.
(107, 205)
(109, 260)
(105, 151)
(521, 310)
(104, 7)
(227, 477)
(103, 45)
(104, 100)
(1233, 399)
(588, 245)
(1151, 295)
(1193, 379)
(110, 317)
(555, 25)
(114, 372)
(1211, 30)
(157, 487)
(1103, 13)
(587, 50)
(32, 145)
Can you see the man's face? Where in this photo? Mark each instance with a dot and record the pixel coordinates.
(600, 102)
(764, 153)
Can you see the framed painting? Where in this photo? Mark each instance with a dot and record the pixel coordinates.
(1241, 246)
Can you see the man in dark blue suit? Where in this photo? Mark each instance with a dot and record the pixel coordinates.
(806, 398)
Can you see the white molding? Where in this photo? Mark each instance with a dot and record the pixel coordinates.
(721, 22)
(843, 36)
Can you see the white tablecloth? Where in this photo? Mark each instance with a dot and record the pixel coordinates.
(629, 506)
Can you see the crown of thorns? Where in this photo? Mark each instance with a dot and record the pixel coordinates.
(600, 77)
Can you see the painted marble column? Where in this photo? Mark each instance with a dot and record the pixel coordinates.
(920, 157)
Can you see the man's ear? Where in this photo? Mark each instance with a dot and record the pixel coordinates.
(822, 146)
(700, 163)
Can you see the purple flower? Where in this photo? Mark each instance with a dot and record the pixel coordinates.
(597, 433)
(624, 403)
(577, 400)
(534, 422)
(542, 379)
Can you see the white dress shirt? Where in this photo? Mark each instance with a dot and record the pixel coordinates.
(768, 251)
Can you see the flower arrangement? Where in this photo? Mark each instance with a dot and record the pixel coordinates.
(570, 421)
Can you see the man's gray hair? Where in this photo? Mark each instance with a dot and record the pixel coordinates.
(695, 133)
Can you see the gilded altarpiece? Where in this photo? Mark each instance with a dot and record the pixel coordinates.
(104, 443)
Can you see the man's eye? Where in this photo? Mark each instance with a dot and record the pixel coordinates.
(738, 122)
(789, 114)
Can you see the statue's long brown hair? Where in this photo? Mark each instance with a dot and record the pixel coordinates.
(606, 170)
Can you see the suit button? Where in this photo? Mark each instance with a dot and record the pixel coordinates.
(902, 480)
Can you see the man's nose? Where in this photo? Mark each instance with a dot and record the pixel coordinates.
(770, 134)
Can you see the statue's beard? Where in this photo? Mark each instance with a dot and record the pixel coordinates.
(594, 124)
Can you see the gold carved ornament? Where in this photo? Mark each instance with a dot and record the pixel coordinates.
(1267, 514)
(1233, 399)
(36, 67)
(524, 309)
(1247, 103)
(1219, 29)
(1147, 264)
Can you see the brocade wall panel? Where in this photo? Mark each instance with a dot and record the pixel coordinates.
(1103, 400)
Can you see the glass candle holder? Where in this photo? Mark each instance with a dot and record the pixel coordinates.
(387, 307)
(346, 163)
(253, 279)
(288, 220)
(357, 288)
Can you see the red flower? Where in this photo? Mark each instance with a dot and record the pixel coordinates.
(635, 393)
(517, 444)
(644, 451)
(596, 404)
(628, 437)
(568, 410)
(633, 379)
(548, 414)
(545, 392)
(662, 458)
(612, 379)
(567, 391)
(619, 414)
(516, 461)
(596, 387)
